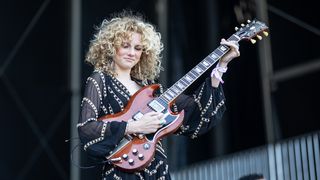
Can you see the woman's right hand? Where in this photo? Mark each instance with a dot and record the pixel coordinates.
(148, 123)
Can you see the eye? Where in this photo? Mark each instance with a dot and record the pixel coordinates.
(138, 48)
(125, 45)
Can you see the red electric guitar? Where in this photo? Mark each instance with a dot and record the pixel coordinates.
(135, 152)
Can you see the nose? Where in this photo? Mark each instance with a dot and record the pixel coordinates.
(131, 52)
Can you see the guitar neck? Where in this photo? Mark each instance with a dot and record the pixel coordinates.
(182, 84)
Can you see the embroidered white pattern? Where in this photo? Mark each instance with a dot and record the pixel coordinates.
(217, 108)
(97, 87)
(154, 171)
(109, 171)
(91, 104)
(116, 98)
(139, 175)
(104, 83)
(103, 130)
(120, 91)
(82, 124)
(120, 84)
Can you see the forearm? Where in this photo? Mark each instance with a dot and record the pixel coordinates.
(215, 81)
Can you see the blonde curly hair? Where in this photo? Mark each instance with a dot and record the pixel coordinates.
(112, 33)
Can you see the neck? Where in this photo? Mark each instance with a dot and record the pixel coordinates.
(123, 75)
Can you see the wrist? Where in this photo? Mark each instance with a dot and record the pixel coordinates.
(223, 64)
(218, 71)
(129, 128)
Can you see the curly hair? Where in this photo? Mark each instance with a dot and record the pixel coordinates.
(112, 33)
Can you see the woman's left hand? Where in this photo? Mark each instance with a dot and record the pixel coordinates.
(233, 53)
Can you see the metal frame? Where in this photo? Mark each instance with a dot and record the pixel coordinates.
(75, 83)
(269, 77)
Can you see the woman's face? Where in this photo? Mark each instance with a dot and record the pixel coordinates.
(128, 54)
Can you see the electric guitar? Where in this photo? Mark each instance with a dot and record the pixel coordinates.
(135, 152)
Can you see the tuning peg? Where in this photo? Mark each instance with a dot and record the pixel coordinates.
(248, 21)
(242, 25)
(236, 28)
(253, 41)
(259, 37)
(265, 33)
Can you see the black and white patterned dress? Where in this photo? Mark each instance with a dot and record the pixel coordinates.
(104, 94)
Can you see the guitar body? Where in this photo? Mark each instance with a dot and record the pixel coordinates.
(134, 153)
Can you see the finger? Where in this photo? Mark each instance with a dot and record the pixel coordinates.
(162, 122)
(238, 53)
(232, 44)
(152, 113)
(160, 116)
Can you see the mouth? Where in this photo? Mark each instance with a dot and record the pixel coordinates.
(129, 59)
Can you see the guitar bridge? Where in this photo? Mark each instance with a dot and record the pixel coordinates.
(115, 159)
(124, 141)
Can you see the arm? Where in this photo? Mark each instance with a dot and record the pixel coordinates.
(223, 62)
(202, 111)
(206, 108)
(98, 137)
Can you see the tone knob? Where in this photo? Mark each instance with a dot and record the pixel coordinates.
(131, 161)
(140, 156)
(134, 151)
(125, 156)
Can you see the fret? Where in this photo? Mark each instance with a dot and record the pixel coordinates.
(210, 60)
(192, 74)
(180, 85)
(202, 67)
(218, 52)
(233, 38)
(214, 56)
(224, 48)
(198, 69)
(188, 78)
(171, 93)
(167, 96)
(184, 82)
(164, 99)
(205, 63)
(175, 89)
(195, 73)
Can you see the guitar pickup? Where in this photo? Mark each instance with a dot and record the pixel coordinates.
(156, 106)
(137, 116)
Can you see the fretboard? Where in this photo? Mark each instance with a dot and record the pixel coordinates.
(182, 84)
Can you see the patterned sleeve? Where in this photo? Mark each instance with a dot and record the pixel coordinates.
(202, 111)
(98, 137)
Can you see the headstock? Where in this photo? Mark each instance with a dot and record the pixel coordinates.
(252, 29)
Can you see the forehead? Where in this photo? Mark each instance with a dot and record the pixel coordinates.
(134, 38)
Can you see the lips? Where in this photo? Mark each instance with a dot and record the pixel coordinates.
(129, 59)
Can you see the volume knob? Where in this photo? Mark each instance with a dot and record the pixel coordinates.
(125, 156)
(140, 156)
(131, 161)
(134, 151)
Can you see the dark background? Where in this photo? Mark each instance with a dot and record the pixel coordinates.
(35, 78)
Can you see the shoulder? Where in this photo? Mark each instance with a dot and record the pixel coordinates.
(99, 77)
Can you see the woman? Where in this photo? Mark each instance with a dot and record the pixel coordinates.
(125, 53)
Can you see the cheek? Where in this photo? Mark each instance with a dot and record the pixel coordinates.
(139, 54)
(120, 52)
